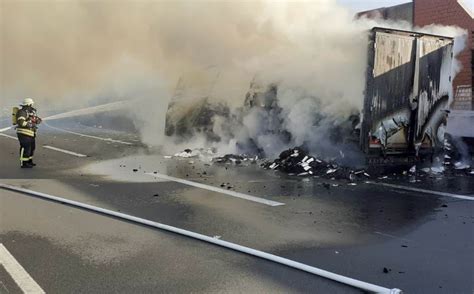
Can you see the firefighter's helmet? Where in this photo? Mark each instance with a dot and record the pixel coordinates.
(28, 102)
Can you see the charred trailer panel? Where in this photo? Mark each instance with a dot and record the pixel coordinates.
(389, 90)
(407, 90)
(435, 55)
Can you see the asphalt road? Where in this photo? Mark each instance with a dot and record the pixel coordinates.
(424, 240)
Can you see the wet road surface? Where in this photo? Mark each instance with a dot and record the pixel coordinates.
(424, 241)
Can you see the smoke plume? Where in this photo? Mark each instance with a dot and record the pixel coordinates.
(68, 54)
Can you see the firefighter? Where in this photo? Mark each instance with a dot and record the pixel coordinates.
(27, 122)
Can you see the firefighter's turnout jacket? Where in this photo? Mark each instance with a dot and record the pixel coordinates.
(26, 121)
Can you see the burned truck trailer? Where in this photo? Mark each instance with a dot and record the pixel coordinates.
(407, 93)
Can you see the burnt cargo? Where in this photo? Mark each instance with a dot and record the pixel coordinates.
(408, 85)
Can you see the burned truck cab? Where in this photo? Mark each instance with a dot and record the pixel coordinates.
(407, 92)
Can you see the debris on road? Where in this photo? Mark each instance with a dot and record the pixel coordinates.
(186, 153)
(461, 165)
(229, 158)
(235, 159)
(204, 154)
(297, 161)
(437, 169)
(227, 186)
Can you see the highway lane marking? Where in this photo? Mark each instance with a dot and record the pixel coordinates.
(413, 189)
(64, 151)
(50, 147)
(18, 273)
(218, 190)
(368, 287)
(391, 236)
(5, 129)
(89, 136)
(8, 136)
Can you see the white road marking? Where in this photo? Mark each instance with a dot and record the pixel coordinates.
(18, 273)
(89, 136)
(5, 129)
(218, 190)
(368, 287)
(8, 136)
(391, 236)
(445, 194)
(64, 151)
(50, 147)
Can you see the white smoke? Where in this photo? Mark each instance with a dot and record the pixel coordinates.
(76, 53)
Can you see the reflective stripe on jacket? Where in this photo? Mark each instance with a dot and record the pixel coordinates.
(23, 118)
(25, 131)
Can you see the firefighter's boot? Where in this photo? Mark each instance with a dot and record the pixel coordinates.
(26, 164)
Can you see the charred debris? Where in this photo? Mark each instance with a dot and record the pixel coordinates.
(299, 163)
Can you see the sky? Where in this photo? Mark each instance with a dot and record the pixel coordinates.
(362, 5)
